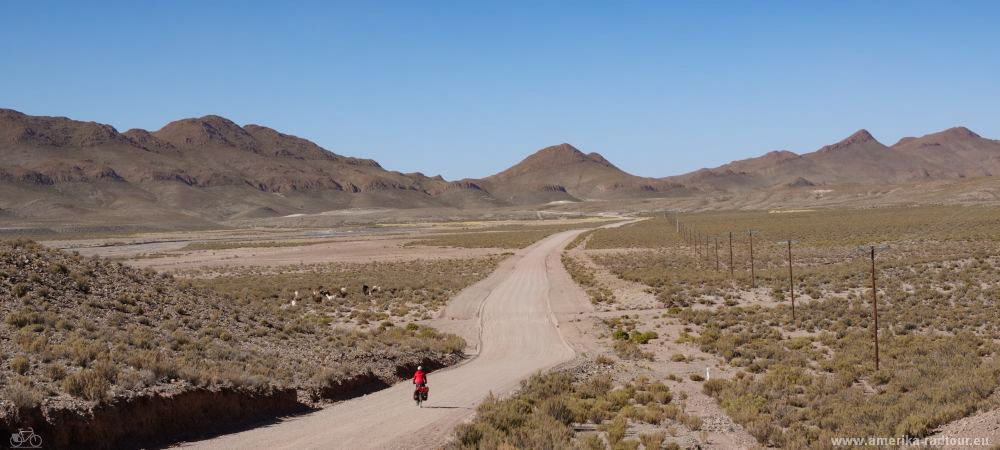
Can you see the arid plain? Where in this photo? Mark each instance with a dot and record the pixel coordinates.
(629, 330)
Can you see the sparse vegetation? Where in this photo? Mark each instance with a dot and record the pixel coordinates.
(627, 339)
(650, 233)
(130, 330)
(407, 290)
(585, 277)
(542, 414)
(799, 391)
(804, 380)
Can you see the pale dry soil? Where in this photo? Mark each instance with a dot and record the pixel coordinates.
(355, 251)
(166, 251)
(167, 254)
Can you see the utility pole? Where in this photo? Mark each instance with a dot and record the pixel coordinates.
(753, 275)
(704, 248)
(732, 270)
(716, 253)
(875, 307)
(791, 281)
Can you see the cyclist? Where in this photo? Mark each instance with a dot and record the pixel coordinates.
(420, 377)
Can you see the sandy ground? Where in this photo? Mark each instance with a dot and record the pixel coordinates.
(165, 251)
(358, 251)
(518, 335)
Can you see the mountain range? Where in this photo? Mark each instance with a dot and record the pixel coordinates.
(210, 170)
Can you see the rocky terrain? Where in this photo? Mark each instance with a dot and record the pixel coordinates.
(92, 352)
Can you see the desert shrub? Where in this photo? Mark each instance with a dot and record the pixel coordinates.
(653, 441)
(87, 383)
(555, 401)
(590, 442)
(57, 268)
(626, 444)
(640, 337)
(22, 395)
(20, 364)
(616, 430)
(631, 350)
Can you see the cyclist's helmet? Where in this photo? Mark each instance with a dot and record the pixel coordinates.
(420, 367)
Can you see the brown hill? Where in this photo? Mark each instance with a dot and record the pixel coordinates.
(858, 159)
(959, 149)
(196, 170)
(564, 173)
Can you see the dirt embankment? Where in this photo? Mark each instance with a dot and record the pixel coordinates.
(148, 420)
(159, 419)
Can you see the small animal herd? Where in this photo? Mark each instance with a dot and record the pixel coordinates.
(319, 293)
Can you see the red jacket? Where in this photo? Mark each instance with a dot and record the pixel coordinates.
(420, 377)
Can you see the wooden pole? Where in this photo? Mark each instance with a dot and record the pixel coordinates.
(753, 275)
(791, 281)
(875, 307)
(716, 253)
(732, 269)
(708, 247)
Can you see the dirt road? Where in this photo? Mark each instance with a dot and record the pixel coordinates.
(518, 335)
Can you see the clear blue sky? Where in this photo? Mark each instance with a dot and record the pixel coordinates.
(468, 88)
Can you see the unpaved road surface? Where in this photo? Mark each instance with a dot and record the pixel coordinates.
(518, 335)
